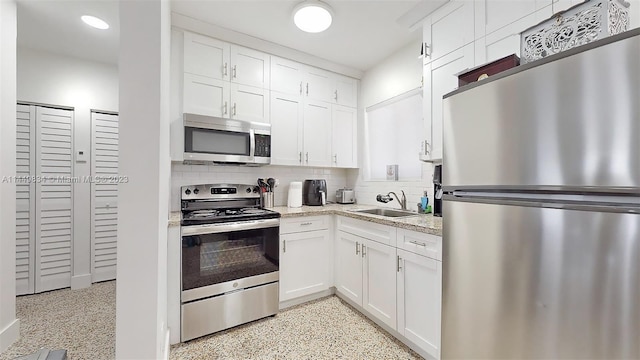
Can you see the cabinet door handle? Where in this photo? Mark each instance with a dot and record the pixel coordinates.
(284, 246)
(357, 248)
(300, 157)
(418, 243)
(225, 70)
(300, 87)
(335, 158)
(398, 260)
(307, 157)
(307, 89)
(363, 250)
(224, 111)
(235, 67)
(305, 223)
(234, 109)
(336, 95)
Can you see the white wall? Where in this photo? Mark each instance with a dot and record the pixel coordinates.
(182, 175)
(9, 325)
(48, 78)
(141, 292)
(398, 74)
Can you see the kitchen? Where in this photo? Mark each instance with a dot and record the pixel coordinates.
(148, 94)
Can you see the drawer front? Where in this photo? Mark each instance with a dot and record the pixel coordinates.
(368, 230)
(304, 223)
(420, 243)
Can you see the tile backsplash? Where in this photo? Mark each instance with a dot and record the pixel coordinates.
(182, 175)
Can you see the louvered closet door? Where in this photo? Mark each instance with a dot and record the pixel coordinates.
(104, 195)
(25, 200)
(53, 218)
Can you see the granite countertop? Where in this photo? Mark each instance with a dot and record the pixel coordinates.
(425, 223)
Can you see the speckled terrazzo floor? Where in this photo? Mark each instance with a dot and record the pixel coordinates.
(324, 329)
(80, 321)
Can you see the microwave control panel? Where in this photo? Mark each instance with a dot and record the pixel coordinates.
(263, 145)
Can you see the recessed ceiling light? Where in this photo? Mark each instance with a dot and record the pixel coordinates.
(312, 16)
(95, 22)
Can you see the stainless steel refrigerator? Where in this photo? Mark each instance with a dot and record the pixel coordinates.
(541, 249)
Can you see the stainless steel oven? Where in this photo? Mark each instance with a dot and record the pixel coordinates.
(229, 259)
(221, 140)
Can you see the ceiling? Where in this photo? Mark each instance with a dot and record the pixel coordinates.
(363, 32)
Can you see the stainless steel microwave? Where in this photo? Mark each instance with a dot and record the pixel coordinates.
(220, 140)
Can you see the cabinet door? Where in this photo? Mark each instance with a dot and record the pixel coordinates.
(419, 298)
(249, 103)
(349, 266)
(346, 92)
(345, 136)
(317, 133)
(287, 76)
(379, 281)
(205, 96)
(449, 28)
(440, 79)
(286, 129)
(206, 57)
(249, 67)
(492, 15)
(319, 85)
(304, 263)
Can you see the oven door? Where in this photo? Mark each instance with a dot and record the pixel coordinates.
(221, 258)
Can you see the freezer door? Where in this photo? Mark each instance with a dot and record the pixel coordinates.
(528, 282)
(570, 122)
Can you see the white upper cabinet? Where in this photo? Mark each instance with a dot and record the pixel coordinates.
(249, 103)
(344, 128)
(492, 15)
(206, 57)
(249, 67)
(449, 28)
(346, 92)
(287, 76)
(286, 129)
(319, 85)
(317, 133)
(206, 96)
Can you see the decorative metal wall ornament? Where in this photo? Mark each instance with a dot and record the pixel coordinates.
(579, 25)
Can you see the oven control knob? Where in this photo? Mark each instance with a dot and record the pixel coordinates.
(187, 191)
(196, 191)
(256, 189)
(248, 190)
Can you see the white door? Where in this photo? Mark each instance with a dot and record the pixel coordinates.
(317, 133)
(419, 299)
(304, 268)
(287, 76)
(25, 200)
(206, 57)
(345, 136)
(349, 266)
(379, 281)
(104, 195)
(250, 67)
(319, 85)
(346, 91)
(286, 129)
(249, 103)
(54, 224)
(440, 79)
(206, 96)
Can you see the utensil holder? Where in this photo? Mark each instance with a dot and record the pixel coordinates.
(267, 200)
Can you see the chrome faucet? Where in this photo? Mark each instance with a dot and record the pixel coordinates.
(386, 198)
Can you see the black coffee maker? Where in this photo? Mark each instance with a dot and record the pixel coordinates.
(314, 192)
(437, 190)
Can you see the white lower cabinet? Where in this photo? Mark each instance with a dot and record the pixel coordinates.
(349, 266)
(379, 281)
(419, 280)
(305, 266)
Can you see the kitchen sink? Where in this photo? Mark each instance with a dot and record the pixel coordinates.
(387, 212)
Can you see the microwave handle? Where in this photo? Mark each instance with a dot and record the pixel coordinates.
(252, 143)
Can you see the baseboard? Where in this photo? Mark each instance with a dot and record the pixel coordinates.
(386, 328)
(80, 281)
(307, 298)
(9, 335)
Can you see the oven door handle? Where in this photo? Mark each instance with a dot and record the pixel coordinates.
(229, 227)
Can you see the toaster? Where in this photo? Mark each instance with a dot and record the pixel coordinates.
(345, 196)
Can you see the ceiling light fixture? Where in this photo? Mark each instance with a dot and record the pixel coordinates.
(94, 22)
(312, 16)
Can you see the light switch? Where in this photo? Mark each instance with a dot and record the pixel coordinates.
(82, 156)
